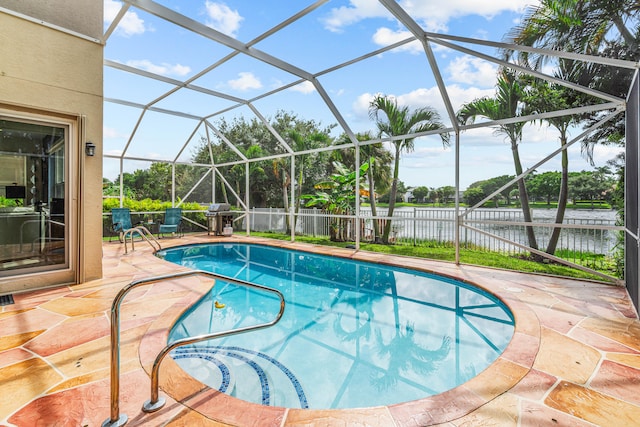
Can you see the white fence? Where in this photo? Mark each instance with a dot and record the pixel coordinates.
(592, 231)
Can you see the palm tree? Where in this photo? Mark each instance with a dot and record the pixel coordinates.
(506, 104)
(399, 121)
(582, 25)
(405, 354)
(600, 27)
(543, 97)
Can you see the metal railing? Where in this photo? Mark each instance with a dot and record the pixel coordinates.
(155, 403)
(428, 226)
(142, 232)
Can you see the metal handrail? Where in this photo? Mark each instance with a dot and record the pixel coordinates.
(144, 233)
(116, 419)
(155, 402)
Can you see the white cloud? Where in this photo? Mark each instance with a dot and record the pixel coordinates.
(163, 69)
(425, 97)
(432, 14)
(603, 153)
(384, 37)
(357, 10)
(473, 71)
(360, 106)
(444, 11)
(110, 133)
(305, 87)
(245, 81)
(222, 18)
(129, 25)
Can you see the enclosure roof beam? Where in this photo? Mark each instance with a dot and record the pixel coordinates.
(271, 129)
(226, 141)
(208, 32)
(116, 21)
(531, 72)
(543, 161)
(541, 116)
(334, 110)
(622, 63)
(415, 29)
(177, 83)
(186, 143)
(155, 109)
(544, 116)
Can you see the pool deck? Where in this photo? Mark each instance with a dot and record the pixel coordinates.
(574, 359)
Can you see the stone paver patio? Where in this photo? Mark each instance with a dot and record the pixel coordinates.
(574, 359)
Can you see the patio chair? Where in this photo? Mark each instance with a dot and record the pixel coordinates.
(172, 220)
(121, 221)
(121, 218)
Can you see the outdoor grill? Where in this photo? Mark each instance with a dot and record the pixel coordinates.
(218, 216)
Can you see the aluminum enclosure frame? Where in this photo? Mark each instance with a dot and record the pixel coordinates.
(611, 106)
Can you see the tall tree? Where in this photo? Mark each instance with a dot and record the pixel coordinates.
(506, 103)
(595, 185)
(251, 136)
(541, 97)
(597, 27)
(446, 193)
(545, 185)
(393, 120)
(420, 193)
(576, 25)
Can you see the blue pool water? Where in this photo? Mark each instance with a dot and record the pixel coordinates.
(354, 334)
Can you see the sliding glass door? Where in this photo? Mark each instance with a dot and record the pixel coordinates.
(33, 196)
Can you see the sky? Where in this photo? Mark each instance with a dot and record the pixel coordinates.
(332, 34)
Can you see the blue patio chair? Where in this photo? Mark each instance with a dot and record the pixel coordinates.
(171, 224)
(121, 221)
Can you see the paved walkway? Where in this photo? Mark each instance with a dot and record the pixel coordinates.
(574, 359)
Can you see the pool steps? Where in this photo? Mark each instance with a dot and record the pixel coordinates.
(156, 402)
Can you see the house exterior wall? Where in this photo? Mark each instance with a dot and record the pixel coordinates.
(80, 16)
(46, 70)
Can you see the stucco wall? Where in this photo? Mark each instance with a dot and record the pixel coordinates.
(82, 16)
(42, 69)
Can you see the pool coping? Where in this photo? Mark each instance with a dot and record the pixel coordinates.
(503, 374)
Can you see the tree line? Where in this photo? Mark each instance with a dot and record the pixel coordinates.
(585, 186)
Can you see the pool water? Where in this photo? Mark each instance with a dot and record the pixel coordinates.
(354, 334)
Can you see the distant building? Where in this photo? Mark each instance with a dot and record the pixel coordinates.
(408, 197)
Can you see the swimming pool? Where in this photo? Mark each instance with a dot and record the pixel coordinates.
(354, 334)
